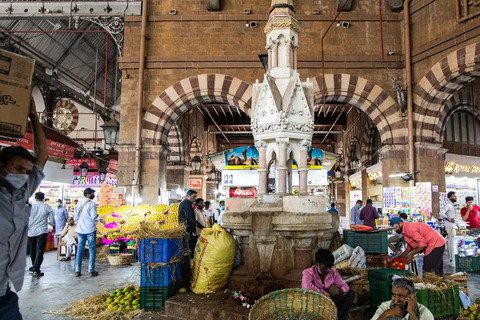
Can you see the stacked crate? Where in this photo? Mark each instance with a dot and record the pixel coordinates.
(159, 277)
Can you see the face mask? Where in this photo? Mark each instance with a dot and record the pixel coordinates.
(399, 231)
(359, 207)
(92, 196)
(59, 204)
(222, 207)
(17, 180)
(454, 200)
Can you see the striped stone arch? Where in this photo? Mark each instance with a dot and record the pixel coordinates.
(438, 86)
(367, 96)
(186, 94)
(460, 100)
(177, 146)
(353, 139)
(368, 136)
(195, 147)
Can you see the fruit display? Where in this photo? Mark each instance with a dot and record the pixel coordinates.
(114, 236)
(135, 218)
(141, 209)
(398, 263)
(130, 227)
(126, 299)
(152, 226)
(174, 208)
(123, 209)
(105, 210)
(160, 208)
(155, 217)
(171, 217)
(115, 217)
(168, 225)
(472, 312)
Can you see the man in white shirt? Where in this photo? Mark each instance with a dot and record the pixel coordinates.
(86, 218)
(449, 219)
(41, 214)
(208, 214)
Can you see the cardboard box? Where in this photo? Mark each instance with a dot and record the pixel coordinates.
(16, 73)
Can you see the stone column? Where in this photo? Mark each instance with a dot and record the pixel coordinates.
(262, 167)
(269, 59)
(295, 58)
(274, 54)
(126, 166)
(153, 173)
(394, 160)
(282, 168)
(302, 167)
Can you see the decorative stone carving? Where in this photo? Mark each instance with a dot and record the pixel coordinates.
(282, 142)
(260, 144)
(305, 143)
(282, 24)
(114, 26)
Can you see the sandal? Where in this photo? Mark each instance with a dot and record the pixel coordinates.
(78, 274)
(30, 269)
(38, 274)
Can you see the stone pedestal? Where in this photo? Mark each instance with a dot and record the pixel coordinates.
(279, 236)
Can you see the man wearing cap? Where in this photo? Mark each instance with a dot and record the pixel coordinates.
(86, 218)
(420, 238)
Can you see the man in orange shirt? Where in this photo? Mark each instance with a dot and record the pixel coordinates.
(420, 238)
(470, 213)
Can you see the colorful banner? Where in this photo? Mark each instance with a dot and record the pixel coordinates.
(112, 165)
(195, 183)
(55, 148)
(243, 193)
(92, 163)
(314, 158)
(241, 158)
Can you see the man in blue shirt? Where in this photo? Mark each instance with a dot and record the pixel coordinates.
(355, 213)
(86, 218)
(332, 208)
(38, 231)
(61, 216)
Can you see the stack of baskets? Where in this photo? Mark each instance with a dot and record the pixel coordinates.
(160, 271)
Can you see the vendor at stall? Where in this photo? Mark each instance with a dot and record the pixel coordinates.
(420, 238)
(470, 213)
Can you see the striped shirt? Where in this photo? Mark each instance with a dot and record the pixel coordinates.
(41, 216)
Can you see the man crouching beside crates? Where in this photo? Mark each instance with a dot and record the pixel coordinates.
(403, 305)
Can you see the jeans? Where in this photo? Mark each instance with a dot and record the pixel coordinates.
(92, 239)
(9, 309)
(37, 245)
(343, 303)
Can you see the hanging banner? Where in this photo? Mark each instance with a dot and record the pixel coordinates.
(243, 193)
(55, 148)
(113, 165)
(92, 163)
(241, 158)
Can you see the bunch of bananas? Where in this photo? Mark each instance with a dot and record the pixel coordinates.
(160, 208)
(169, 225)
(171, 217)
(123, 209)
(135, 218)
(105, 210)
(111, 218)
(142, 209)
(130, 227)
(152, 226)
(114, 236)
(174, 208)
(155, 217)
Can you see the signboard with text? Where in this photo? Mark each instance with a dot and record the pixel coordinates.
(55, 148)
(243, 193)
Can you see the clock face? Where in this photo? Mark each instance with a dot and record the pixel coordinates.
(62, 118)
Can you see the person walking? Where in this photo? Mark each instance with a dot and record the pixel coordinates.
(20, 175)
(368, 214)
(40, 216)
(448, 216)
(61, 216)
(355, 213)
(86, 218)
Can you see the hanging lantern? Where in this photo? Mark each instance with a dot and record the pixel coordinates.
(195, 163)
(110, 132)
(83, 167)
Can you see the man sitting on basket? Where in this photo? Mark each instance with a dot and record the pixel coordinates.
(404, 305)
(322, 276)
(69, 236)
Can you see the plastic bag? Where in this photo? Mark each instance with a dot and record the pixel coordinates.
(214, 256)
(357, 260)
(342, 253)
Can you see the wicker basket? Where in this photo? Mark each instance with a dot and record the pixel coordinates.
(120, 259)
(294, 303)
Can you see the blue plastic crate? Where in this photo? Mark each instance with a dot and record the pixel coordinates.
(162, 276)
(158, 250)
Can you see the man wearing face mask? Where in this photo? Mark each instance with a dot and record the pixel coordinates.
(420, 237)
(61, 216)
(355, 213)
(449, 219)
(322, 276)
(86, 218)
(20, 175)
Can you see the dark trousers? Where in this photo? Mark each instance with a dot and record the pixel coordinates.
(38, 245)
(192, 242)
(433, 262)
(343, 303)
(9, 309)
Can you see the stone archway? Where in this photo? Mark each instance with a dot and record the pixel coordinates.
(368, 97)
(177, 147)
(184, 95)
(438, 86)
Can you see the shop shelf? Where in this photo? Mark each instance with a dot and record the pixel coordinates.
(114, 250)
(467, 263)
(159, 276)
(158, 250)
(440, 303)
(380, 281)
(134, 253)
(370, 242)
(154, 298)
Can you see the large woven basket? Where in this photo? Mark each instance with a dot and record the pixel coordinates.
(120, 259)
(297, 304)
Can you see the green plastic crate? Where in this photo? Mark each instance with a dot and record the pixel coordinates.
(154, 298)
(440, 303)
(380, 281)
(467, 263)
(370, 242)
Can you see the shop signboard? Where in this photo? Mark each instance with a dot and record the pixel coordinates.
(113, 165)
(194, 183)
(75, 163)
(240, 178)
(314, 178)
(241, 158)
(55, 148)
(314, 158)
(243, 193)
(94, 179)
(105, 194)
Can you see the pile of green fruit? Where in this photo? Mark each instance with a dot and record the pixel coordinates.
(472, 312)
(126, 299)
